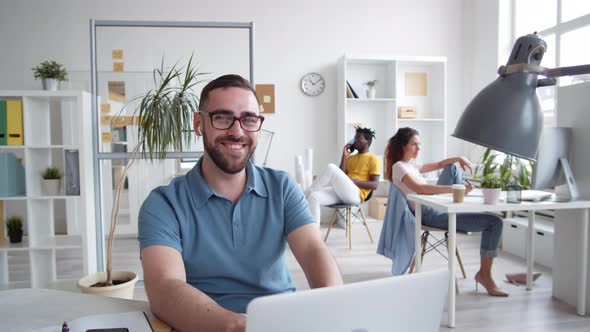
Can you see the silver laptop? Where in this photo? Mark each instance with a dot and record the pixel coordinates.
(411, 302)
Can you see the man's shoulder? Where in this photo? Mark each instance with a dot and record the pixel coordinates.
(168, 193)
(271, 174)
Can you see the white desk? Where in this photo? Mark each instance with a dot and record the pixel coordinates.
(474, 204)
(33, 308)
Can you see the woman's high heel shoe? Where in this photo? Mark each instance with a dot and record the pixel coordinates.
(491, 289)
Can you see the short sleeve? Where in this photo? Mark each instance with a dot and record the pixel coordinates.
(158, 224)
(296, 210)
(375, 166)
(398, 172)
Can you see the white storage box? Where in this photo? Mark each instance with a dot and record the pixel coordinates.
(515, 236)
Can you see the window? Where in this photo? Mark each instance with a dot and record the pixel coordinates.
(565, 26)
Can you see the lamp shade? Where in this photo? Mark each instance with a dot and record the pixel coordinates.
(506, 115)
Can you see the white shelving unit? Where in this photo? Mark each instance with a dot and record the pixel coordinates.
(53, 121)
(380, 113)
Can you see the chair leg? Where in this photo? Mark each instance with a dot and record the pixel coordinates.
(459, 260)
(365, 223)
(460, 263)
(349, 226)
(334, 216)
(423, 238)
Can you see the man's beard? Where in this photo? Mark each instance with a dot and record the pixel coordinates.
(224, 163)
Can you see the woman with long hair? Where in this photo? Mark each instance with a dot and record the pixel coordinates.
(403, 169)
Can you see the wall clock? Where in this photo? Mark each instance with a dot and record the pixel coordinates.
(313, 84)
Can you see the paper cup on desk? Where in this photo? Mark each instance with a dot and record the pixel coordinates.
(458, 193)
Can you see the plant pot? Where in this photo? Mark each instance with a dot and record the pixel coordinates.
(491, 195)
(50, 84)
(50, 187)
(16, 236)
(123, 290)
(371, 92)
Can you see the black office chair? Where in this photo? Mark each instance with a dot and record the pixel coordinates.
(345, 212)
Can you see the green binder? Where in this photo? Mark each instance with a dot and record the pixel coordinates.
(2, 122)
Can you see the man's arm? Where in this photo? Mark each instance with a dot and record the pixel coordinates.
(178, 303)
(312, 254)
(344, 157)
(371, 184)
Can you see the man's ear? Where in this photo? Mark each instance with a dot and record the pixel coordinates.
(197, 124)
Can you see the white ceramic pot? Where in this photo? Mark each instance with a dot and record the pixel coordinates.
(371, 92)
(50, 84)
(491, 195)
(123, 291)
(50, 187)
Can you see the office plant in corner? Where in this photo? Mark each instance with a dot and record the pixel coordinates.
(164, 114)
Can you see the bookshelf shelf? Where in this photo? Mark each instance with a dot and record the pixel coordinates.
(54, 124)
(395, 88)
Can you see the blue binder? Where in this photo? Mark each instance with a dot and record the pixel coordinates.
(12, 175)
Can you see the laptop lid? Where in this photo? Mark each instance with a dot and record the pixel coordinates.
(411, 302)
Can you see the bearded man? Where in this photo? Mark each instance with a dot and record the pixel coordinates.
(213, 240)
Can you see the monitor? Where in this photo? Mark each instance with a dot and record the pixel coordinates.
(551, 170)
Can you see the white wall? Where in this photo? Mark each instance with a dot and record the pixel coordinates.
(291, 40)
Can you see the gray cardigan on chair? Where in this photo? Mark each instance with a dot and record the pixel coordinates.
(397, 235)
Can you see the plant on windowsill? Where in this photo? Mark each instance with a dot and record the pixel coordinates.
(164, 116)
(50, 73)
(50, 184)
(14, 225)
(491, 187)
(371, 91)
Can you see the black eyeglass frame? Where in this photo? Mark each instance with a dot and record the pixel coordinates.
(236, 118)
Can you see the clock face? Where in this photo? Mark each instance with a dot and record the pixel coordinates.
(312, 84)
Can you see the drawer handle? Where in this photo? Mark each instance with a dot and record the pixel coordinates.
(513, 226)
(541, 233)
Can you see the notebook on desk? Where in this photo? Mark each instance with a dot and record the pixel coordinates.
(411, 302)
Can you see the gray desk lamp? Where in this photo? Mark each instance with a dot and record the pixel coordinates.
(506, 115)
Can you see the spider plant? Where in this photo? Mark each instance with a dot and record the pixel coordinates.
(163, 114)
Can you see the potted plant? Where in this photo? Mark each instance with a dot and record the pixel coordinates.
(371, 91)
(15, 229)
(50, 73)
(164, 114)
(491, 187)
(51, 181)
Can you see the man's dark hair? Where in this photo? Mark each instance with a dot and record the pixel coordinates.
(368, 133)
(225, 81)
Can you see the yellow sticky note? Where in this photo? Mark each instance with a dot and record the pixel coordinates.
(117, 54)
(118, 66)
(105, 120)
(119, 122)
(107, 137)
(105, 108)
(266, 99)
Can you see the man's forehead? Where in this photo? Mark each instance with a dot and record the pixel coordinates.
(232, 98)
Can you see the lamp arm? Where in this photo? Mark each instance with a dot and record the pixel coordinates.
(547, 72)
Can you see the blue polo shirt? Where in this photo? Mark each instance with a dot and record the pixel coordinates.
(232, 253)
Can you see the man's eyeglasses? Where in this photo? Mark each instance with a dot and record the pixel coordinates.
(222, 120)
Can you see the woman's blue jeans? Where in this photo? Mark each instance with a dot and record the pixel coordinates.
(489, 224)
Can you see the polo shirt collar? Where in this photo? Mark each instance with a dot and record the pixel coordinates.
(201, 191)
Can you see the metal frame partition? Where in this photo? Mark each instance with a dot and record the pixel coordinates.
(97, 156)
